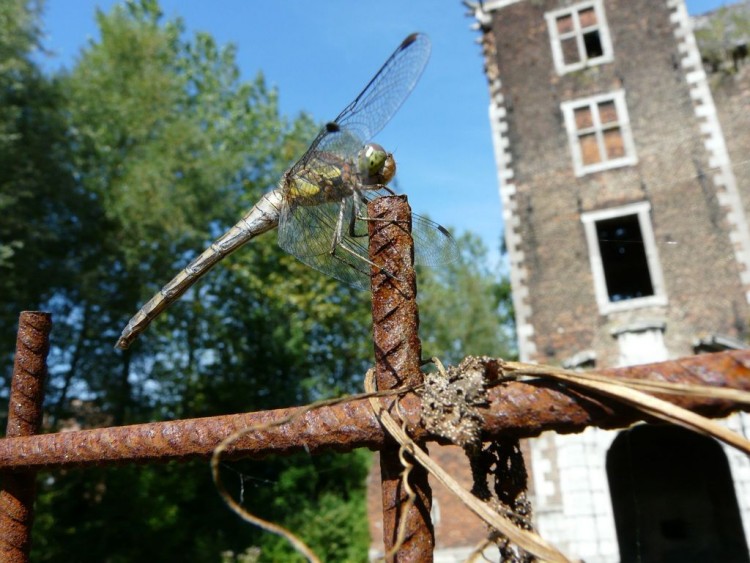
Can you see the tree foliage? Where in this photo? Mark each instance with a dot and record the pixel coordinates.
(723, 37)
(113, 176)
(465, 307)
(168, 146)
(40, 205)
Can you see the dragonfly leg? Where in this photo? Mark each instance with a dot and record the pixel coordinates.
(357, 215)
(338, 242)
(343, 247)
(386, 188)
(376, 219)
(361, 217)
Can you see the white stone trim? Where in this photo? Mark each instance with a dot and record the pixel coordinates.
(641, 343)
(705, 110)
(623, 120)
(518, 273)
(490, 5)
(510, 213)
(556, 43)
(739, 466)
(642, 210)
(572, 502)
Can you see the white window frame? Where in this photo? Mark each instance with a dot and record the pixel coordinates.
(623, 120)
(642, 209)
(578, 32)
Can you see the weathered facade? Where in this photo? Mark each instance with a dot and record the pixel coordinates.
(624, 145)
(624, 185)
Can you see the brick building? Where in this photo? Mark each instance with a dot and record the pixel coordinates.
(602, 155)
(624, 185)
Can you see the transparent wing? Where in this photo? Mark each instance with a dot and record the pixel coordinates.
(363, 118)
(308, 233)
(433, 244)
(343, 143)
(391, 85)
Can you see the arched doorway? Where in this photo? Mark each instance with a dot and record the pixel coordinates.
(673, 497)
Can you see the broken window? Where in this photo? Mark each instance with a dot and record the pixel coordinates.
(623, 256)
(579, 36)
(599, 132)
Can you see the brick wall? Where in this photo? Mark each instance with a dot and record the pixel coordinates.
(702, 277)
(731, 93)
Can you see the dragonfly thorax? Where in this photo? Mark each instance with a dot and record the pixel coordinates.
(375, 165)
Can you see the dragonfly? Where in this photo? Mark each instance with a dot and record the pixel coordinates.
(319, 205)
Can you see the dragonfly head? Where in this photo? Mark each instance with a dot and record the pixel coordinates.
(375, 165)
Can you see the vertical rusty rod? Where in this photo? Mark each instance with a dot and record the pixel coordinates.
(397, 363)
(24, 419)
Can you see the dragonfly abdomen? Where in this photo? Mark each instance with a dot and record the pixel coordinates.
(262, 217)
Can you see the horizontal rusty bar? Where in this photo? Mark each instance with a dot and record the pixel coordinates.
(530, 408)
(517, 409)
(324, 428)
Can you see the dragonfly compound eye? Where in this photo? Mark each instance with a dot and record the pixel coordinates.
(388, 171)
(375, 164)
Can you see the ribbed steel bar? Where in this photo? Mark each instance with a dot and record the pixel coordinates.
(398, 353)
(516, 409)
(24, 419)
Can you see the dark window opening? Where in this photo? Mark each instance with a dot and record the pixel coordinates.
(674, 528)
(673, 498)
(593, 44)
(624, 258)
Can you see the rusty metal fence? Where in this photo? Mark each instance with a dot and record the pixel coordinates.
(514, 410)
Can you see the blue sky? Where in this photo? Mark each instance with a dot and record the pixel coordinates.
(321, 54)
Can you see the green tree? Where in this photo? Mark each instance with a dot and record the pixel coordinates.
(723, 37)
(169, 143)
(169, 147)
(40, 205)
(465, 308)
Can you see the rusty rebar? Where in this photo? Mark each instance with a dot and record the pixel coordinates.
(24, 419)
(398, 353)
(326, 428)
(518, 409)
